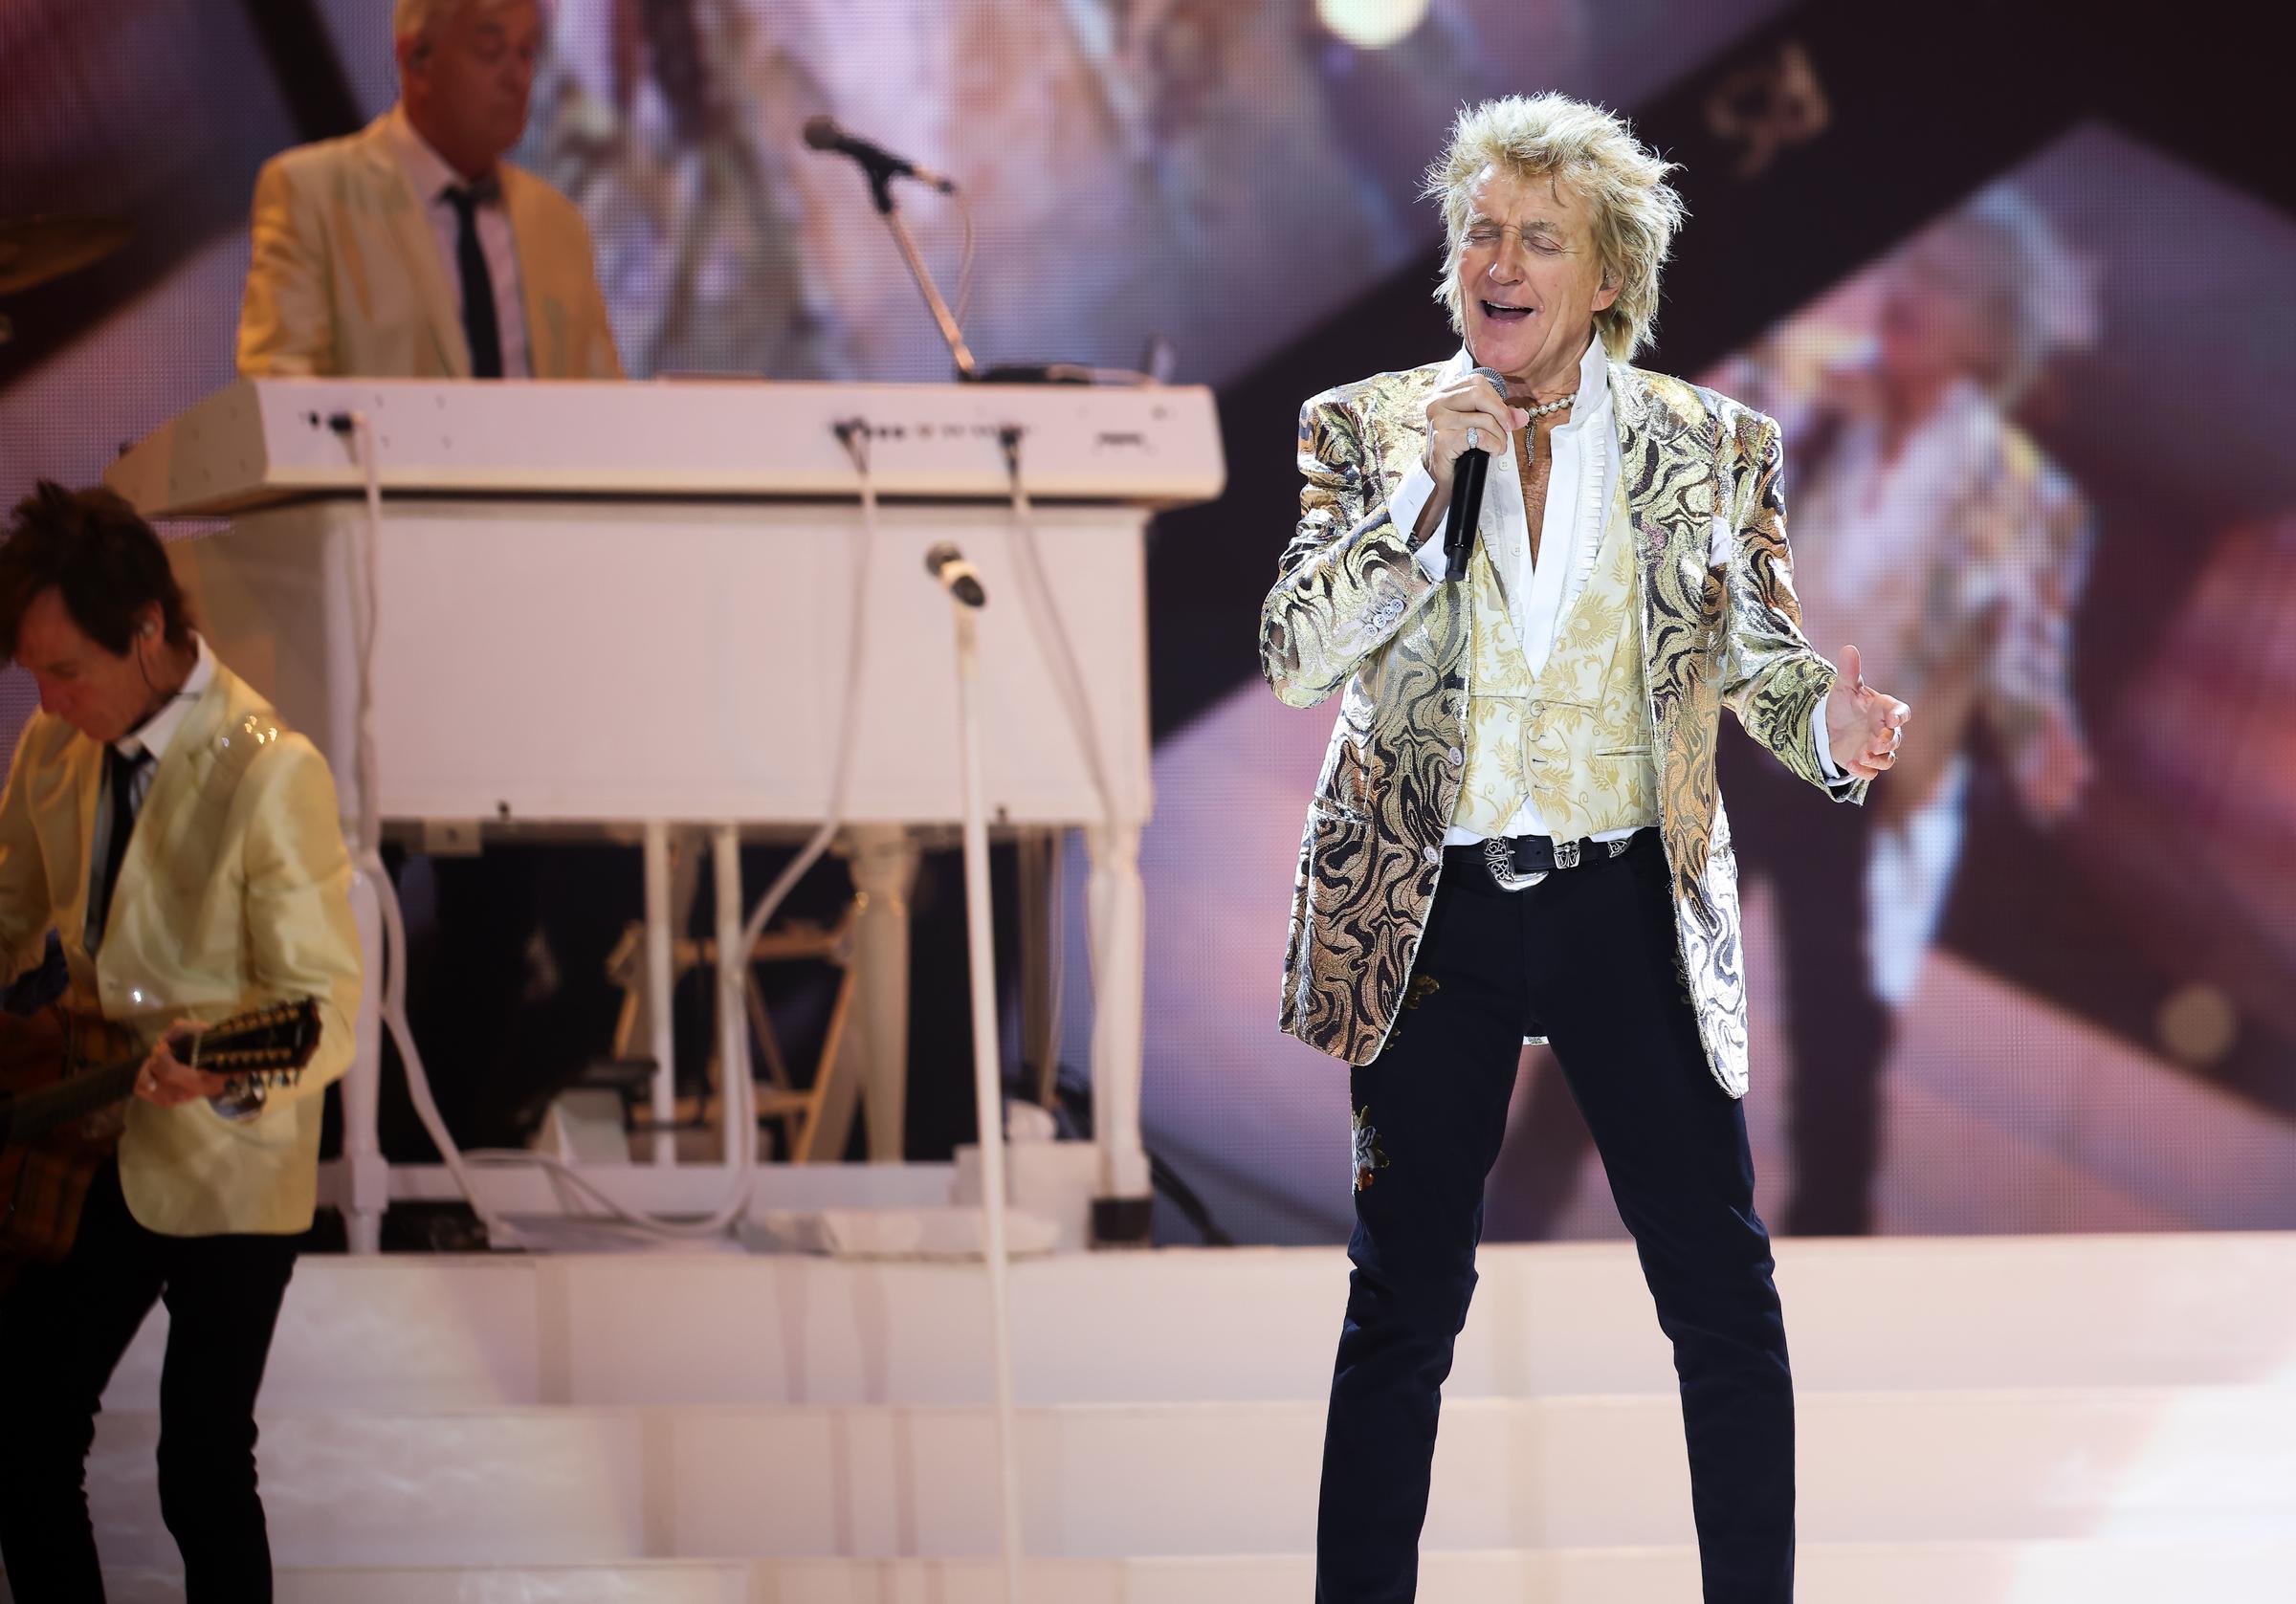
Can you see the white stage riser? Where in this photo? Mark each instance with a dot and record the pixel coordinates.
(659, 1582)
(1242, 1325)
(563, 1486)
(2251, 1571)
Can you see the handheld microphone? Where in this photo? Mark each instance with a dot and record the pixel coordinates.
(824, 133)
(1467, 474)
(957, 577)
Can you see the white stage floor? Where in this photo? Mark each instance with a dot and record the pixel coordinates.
(1986, 1420)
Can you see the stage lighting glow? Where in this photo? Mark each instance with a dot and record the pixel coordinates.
(1371, 23)
(2198, 1024)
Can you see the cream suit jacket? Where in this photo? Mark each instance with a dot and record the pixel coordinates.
(1353, 611)
(346, 279)
(234, 892)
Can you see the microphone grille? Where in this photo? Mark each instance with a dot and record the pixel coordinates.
(1498, 379)
(822, 132)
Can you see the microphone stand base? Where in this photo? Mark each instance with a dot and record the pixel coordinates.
(1122, 1222)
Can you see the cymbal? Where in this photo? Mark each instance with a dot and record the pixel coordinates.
(33, 250)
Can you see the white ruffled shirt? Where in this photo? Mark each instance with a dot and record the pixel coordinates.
(1539, 595)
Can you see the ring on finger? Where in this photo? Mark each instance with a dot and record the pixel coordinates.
(1475, 438)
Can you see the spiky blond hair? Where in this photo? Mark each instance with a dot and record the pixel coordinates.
(1634, 209)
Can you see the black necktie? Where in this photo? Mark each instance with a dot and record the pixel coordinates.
(121, 771)
(477, 283)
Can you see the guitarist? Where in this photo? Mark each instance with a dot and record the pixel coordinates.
(186, 848)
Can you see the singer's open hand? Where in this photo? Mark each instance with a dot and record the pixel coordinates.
(1465, 403)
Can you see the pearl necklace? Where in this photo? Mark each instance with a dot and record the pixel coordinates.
(1554, 405)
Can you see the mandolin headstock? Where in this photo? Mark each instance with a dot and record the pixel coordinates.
(266, 1046)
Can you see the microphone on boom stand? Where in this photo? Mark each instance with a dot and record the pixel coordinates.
(883, 166)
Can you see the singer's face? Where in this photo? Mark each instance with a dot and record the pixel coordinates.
(1529, 278)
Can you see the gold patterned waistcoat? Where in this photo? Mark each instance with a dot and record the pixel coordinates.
(1576, 738)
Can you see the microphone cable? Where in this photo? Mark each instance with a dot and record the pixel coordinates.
(737, 1104)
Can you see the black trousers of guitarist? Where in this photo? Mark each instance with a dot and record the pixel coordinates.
(62, 1330)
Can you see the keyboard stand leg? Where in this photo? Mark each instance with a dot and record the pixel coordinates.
(884, 864)
(366, 1172)
(660, 985)
(1114, 902)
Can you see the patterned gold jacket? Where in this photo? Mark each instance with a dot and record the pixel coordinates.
(1353, 611)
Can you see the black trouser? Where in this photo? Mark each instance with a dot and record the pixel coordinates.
(1839, 1030)
(62, 1330)
(1588, 959)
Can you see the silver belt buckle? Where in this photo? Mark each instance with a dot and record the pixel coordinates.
(1499, 858)
(1566, 855)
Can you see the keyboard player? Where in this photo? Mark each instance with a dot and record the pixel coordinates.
(413, 249)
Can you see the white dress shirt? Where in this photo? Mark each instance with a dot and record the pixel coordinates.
(432, 177)
(1579, 487)
(150, 738)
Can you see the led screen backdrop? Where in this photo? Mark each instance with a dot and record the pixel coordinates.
(2089, 982)
(2080, 927)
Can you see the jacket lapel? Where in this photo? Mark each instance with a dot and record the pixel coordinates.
(538, 295)
(1660, 464)
(162, 821)
(82, 785)
(1667, 469)
(401, 212)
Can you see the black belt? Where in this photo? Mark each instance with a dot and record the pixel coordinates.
(1518, 863)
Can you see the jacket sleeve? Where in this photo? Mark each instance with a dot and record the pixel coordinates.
(26, 911)
(1771, 678)
(287, 315)
(598, 359)
(1349, 578)
(301, 939)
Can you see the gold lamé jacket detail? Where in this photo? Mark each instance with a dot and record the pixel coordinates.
(1575, 738)
(1352, 612)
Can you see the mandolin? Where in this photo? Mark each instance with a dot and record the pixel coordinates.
(62, 1078)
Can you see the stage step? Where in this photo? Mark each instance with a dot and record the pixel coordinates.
(1241, 1325)
(572, 1485)
(646, 1582)
(2251, 1570)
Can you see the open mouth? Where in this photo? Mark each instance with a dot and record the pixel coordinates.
(1498, 313)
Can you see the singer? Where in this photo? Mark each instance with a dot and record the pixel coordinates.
(1517, 835)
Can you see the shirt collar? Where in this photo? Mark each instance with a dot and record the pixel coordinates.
(429, 172)
(157, 732)
(1594, 388)
(1593, 383)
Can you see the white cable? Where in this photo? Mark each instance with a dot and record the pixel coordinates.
(367, 850)
(1067, 675)
(1053, 634)
(739, 1096)
(855, 436)
(964, 263)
